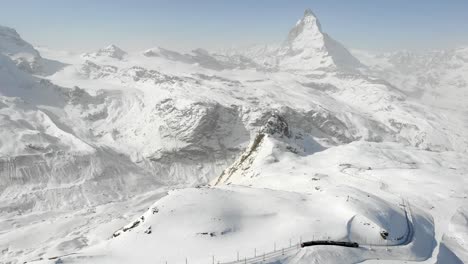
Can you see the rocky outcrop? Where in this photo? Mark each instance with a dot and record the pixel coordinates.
(275, 134)
(276, 126)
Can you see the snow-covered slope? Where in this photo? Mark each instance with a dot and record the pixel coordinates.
(277, 195)
(87, 149)
(24, 54)
(438, 78)
(227, 218)
(47, 160)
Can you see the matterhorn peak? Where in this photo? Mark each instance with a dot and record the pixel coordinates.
(311, 20)
(309, 27)
(309, 48)
(309, 12)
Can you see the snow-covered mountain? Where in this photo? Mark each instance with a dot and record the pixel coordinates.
(306, 48)
(25, 56)
(205, 59)
(110, 51)
(277, 139)
(13, 45)
(438, 77)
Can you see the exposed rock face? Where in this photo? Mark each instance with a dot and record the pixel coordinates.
(276, 126)
(200, 139)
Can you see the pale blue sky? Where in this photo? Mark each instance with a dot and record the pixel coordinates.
(185, 24)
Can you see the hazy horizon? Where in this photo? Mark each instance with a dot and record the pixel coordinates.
(185, 25)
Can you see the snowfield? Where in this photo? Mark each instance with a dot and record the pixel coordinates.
(234, 156)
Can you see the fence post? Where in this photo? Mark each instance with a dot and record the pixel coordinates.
(274, 247)
(186, 261)
(255, 252)
(213, 260)
(245, 260)
(237, 255)
(282, 251)
(263, 256)
(290, 245)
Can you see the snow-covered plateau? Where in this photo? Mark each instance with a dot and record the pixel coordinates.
(233, 156)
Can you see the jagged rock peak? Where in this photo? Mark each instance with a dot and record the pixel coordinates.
(309, 22)
(310, 17)
(309, 12)
(276, 126)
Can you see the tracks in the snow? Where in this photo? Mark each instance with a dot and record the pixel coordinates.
(296, 248)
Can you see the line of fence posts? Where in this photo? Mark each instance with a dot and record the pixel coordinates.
(264, 255)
